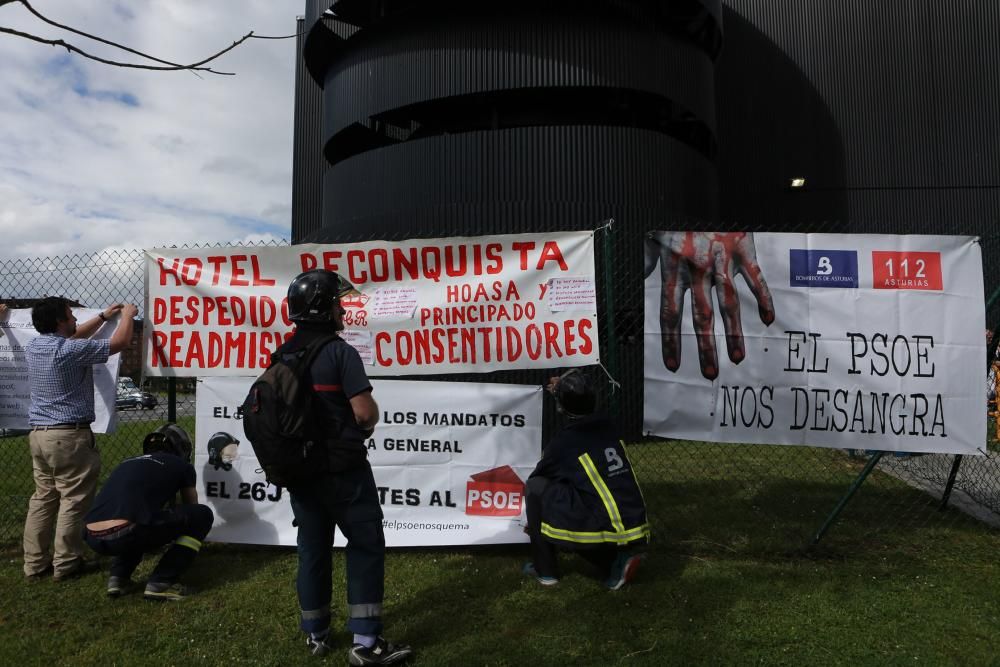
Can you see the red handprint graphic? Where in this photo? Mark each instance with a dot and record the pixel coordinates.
(700, 261)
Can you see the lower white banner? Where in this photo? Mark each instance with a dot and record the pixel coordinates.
(450, 461)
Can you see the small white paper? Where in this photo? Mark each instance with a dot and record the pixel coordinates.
(394, 302)
(571, 294)
(360, 340)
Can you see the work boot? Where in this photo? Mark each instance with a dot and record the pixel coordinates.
(165, 591)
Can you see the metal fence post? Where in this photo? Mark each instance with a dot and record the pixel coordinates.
(172, 400)
(610, 359)
(855, 485)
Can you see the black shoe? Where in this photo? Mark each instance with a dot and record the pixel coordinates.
(318, 645)
(382, 653)
(529, 570)
(118, 586)
(166, 591)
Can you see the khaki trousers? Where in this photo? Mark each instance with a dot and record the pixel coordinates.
(66, 465)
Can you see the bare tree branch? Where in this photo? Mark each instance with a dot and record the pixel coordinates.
(67, 28)
(167, 65)
(298, 34)
(194, 67)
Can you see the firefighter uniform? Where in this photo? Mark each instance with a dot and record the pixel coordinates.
(583, 496)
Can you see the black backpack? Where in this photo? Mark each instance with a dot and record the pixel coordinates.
(278, 418)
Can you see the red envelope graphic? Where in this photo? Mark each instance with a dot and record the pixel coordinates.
(354, 301)
(496, 492)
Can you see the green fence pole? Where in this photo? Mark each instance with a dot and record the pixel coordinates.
(872, 462)
(951, 482)
(611, 336)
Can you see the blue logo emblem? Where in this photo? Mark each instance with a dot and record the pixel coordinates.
(823, 268)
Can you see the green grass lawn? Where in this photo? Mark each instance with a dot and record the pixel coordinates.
(895, 603)
(728, 580)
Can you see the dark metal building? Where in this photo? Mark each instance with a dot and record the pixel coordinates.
(558, 114)
(887, 108)
(489, 117)
(435, 118)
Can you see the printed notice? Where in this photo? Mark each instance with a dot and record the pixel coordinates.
(571, 294)
(15, 388)
(360, 340)
(395, 302)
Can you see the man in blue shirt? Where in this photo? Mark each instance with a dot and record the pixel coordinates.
(65, 461)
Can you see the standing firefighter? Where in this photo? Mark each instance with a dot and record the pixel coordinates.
(583, 495)
(131, 517)
(326, 469)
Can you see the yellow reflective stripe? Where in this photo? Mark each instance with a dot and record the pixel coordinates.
(596, 537)
(603, 491)
(189, 542)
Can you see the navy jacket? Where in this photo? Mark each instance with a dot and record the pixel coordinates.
(593, 497)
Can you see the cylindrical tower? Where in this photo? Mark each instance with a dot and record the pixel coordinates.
(480, 118)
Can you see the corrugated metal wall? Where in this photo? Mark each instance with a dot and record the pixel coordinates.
(425, 60)
(308, 166)
(435, 107)
(889, 109)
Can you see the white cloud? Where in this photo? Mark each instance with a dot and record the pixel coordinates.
(93, 156)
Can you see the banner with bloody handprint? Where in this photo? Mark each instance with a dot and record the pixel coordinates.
(452, 305)
(849, 341)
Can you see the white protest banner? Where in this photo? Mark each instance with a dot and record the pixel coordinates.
(456, 305)
(851, 341)
(15, 392)
(448, 472)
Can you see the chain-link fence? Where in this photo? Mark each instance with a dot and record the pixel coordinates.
(761, 497)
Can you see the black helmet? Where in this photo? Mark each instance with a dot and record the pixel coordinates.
(169, 438)
(312, 294)
(575, 396)
(217, 444)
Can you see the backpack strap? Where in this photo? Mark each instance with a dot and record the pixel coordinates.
(311, 350)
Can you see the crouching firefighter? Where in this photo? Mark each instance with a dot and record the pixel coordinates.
(583, 495)
(339, 489)
(131, 515)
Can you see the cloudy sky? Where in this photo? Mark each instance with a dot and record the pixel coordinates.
(94, 157)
